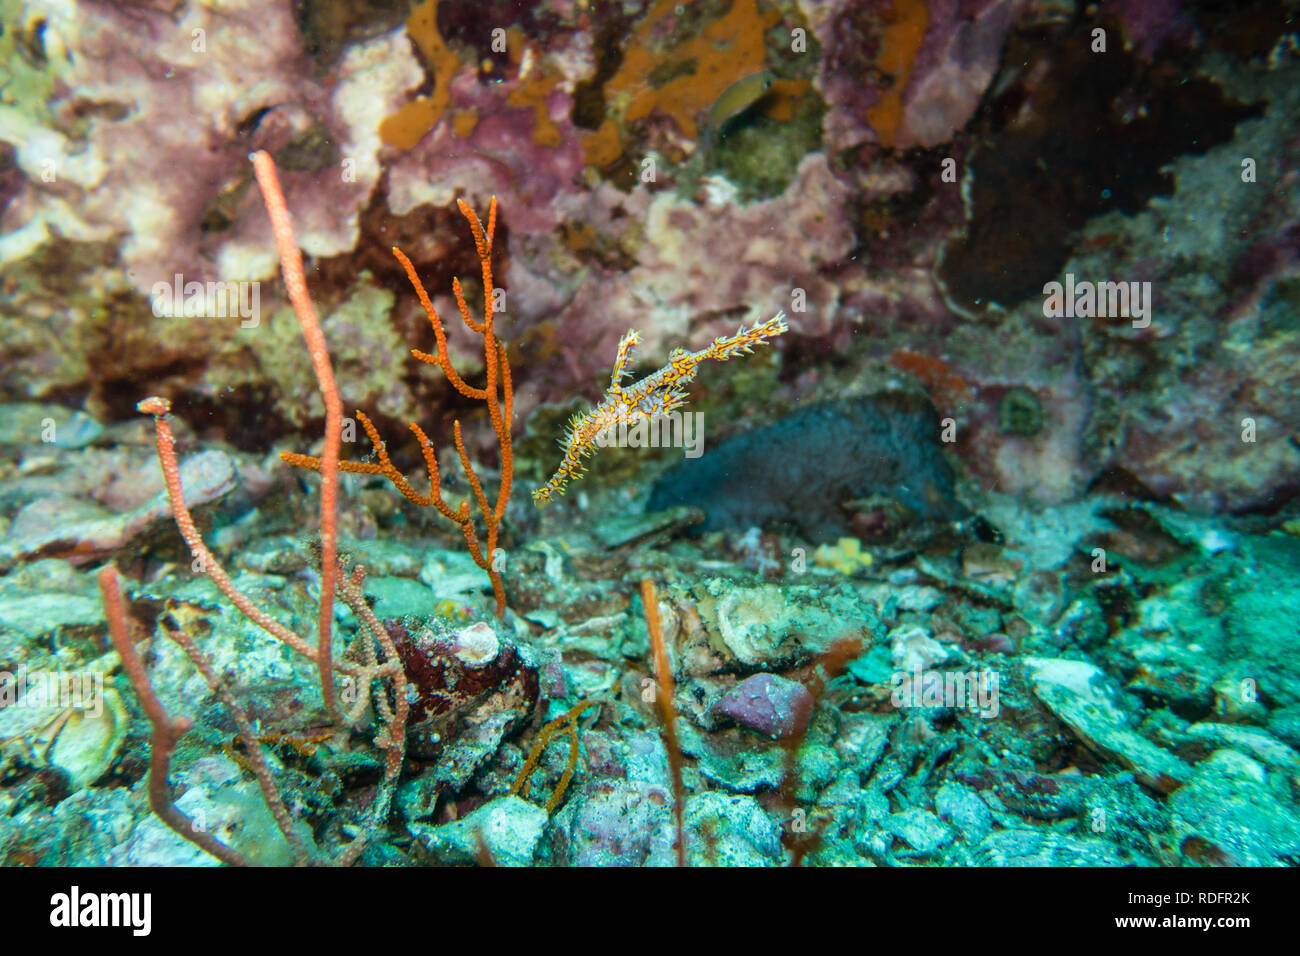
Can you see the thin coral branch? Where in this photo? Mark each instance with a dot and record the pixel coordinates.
(564, 724)
(667, 709)
(498, 394)
(655, 395)
(386, 467)
(394, 736)
(270, 792)
(166, 731)
(439, 333)
(501, 425)
(363, 675)
(394, 739)
(296, 283)
(166, 445)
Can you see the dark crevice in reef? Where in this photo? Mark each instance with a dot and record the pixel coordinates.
(1242, 28)
(589, 95)
(1071, 134)
(244, 415)
(435, 239)
(329, 26)
(471, 24)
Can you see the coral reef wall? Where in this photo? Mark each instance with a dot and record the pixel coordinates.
(913, 178)
(971, 535)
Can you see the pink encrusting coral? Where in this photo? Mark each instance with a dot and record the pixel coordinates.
(499, 157)
(788, 252)
(170, 109)
(905, 74)
(958, 58)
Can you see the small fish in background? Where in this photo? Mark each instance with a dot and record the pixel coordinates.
(734, 101)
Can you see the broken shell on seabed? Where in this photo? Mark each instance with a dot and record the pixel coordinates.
(476, 645)
(68, 720)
